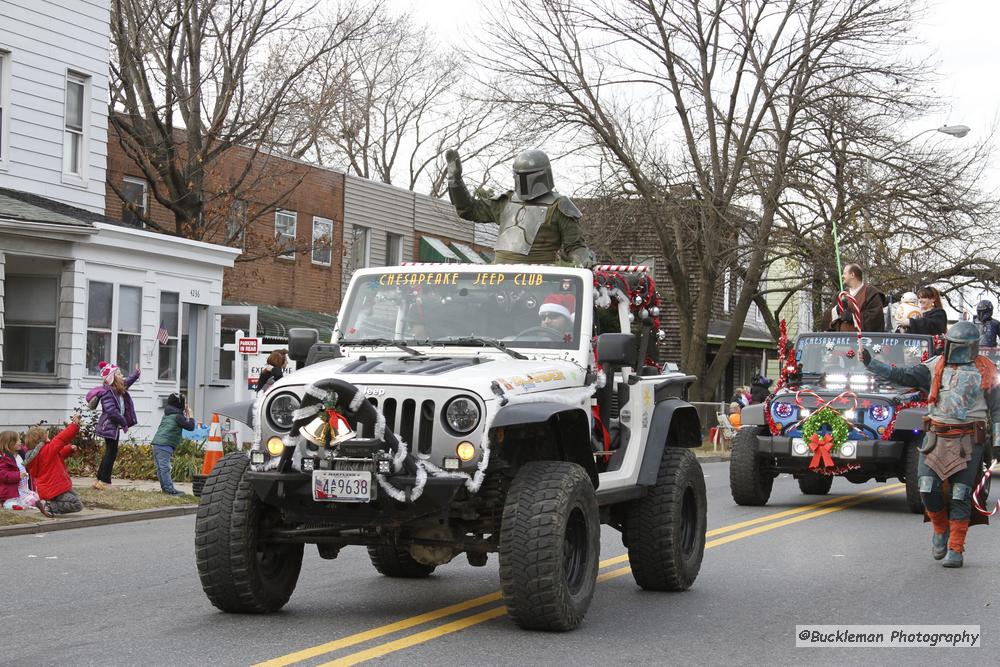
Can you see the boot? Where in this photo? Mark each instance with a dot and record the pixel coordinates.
(939, 545)
(939, 540)
(956, 543)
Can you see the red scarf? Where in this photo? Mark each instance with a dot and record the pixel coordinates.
(987, 371)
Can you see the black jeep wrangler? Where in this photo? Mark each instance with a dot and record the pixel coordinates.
(885, 421)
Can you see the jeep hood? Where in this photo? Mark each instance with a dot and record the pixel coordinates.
(465, 373)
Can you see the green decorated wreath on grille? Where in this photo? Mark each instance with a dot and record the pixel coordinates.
(830, 418)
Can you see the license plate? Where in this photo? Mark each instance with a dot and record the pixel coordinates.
(342, 486)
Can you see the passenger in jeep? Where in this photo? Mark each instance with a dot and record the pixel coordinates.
(556, 312)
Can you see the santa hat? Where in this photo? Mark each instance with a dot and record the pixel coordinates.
(560, 304)
(108, 371)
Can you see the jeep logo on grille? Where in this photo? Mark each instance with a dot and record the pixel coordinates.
(372, 391)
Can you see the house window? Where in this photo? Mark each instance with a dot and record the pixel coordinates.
(4, 105)
(322, 241)
(113, 332)
(360, 247)
(31, 309)
(100, 310)
(76, 113)
(236, 224)
(129, 327)
(284, 232)
(393, 249)
(166, 335)
(135, 199)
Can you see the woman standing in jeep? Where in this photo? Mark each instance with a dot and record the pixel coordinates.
(274, 371)
(933, 320)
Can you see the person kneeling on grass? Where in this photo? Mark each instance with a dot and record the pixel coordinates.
(46, 463)
(15, 487)
(176, 417)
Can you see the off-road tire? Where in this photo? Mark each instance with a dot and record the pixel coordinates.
(236, 575)
(393, 561)
(912, 478)
(665, 530)
(814, 484)
(749, 481)
(549, 546)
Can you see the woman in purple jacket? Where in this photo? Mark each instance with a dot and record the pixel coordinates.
(117, 414)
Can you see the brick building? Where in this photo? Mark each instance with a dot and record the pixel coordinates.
(308, 219)
(331, 224)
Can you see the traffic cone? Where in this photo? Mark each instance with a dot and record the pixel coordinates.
(213, 448)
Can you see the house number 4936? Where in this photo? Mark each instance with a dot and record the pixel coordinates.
(196, 293)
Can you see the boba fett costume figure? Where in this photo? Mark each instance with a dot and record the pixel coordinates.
(536, 223)
(963, 401)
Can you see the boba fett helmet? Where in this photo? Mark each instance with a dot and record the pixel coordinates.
(961, 343)
(984, 310)
(532, 175)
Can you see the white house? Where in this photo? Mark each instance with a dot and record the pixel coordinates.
(75, 287)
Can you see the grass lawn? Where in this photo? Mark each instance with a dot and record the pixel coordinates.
(123, 500)
(13, 518)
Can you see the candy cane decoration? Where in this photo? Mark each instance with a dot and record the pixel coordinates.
(820, 404)
(855, 311)
(984, 482)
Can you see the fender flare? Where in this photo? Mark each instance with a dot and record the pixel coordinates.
(674, 423)
(753, 415)
(571, 420)
(911, 419)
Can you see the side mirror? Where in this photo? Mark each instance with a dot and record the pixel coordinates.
(299, 342)
(615, 349)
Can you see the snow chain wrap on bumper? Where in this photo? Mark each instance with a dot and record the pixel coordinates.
(349, 400)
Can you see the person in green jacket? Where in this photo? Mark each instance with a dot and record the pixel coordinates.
(176, 417)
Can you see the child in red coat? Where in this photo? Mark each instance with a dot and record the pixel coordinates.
(47, 466)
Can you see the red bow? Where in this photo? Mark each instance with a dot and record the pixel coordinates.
(821, 451)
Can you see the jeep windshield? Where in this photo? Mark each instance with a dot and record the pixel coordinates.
(834, 356)
(441, 307)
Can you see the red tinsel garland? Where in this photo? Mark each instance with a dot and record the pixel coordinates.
(899, 408)
(783, 369)
(771, 424)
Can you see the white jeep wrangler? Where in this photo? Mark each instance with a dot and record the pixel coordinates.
(467, 409)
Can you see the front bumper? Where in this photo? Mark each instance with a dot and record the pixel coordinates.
(868, 451)
(292, 493)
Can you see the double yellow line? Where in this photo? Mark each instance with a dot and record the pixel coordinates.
(730, 533)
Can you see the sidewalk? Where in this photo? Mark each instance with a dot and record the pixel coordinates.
(98, 516)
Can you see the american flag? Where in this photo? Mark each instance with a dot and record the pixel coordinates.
(163, 335)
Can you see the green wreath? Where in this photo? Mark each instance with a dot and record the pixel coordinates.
(826, 416)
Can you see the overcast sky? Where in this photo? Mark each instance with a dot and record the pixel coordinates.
(961, 34)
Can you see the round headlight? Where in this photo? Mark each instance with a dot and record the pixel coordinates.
(461, 415)
(280, 410)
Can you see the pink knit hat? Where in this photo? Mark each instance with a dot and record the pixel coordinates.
(108, 371)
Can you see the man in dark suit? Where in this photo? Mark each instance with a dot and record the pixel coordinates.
(871, 302)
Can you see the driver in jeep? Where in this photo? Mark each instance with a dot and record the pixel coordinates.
(556, 313)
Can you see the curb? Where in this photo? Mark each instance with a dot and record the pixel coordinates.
(712, 459)
(53, 525)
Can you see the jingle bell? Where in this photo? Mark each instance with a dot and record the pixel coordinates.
(326, 430)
